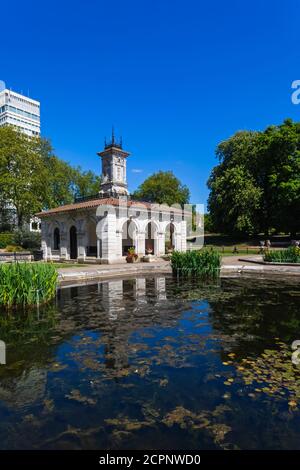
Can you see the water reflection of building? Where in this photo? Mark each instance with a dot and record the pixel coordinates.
(124, 303)
(24, 389)
(115, 293)
(118, 308)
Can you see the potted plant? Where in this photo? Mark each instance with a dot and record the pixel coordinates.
(131, 255)
(149, 250)
(169, 247)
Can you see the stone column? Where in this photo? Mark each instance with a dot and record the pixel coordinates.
(81, 249)
(140, 242)
(160, 243)
(183, 235)
(119, 248)
(64, 245)
(109, 239)
(99, 247)
(44, 249)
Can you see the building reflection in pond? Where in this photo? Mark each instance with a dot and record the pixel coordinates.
(114, 294)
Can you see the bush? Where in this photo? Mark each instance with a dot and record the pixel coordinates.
(290, 255)
(202, 263)
(24, 284)
(13, 248)
(28, 240)
(6, 238)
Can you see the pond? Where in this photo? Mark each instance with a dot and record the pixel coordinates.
(154, 363)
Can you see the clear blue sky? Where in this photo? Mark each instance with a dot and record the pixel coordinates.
(175, 77)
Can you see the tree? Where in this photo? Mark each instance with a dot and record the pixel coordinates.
(233, 202)
(65, 182)
(163, 188)
(32, 178)
(22, 173)
(256, 185)
(87, 183)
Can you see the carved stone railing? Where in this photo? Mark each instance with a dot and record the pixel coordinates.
(6, 257)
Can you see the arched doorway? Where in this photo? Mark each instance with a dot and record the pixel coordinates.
(73, 242)
(150, 239)
(92, 239)
(170, 238)
(56, 239)
(128, 236)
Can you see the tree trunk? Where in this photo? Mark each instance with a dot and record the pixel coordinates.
(20, 219)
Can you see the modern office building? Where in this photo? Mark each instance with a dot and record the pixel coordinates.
(20, 111)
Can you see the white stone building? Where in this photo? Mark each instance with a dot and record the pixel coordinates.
(104, 227)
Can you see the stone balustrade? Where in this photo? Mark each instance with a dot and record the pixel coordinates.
(6, 257)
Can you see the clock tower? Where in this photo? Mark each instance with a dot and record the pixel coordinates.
(114, 182)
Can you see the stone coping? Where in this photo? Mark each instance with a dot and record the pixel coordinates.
(103, 272)
(268, 263)
(110, 271)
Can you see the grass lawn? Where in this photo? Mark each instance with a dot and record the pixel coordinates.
(229, 250)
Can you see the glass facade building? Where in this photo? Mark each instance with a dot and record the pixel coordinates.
(20, 111)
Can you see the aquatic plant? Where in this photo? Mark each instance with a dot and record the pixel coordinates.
(272, 373)
(203, 263)
(25, 284)
(289, 255)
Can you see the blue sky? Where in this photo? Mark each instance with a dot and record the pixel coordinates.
(174, 77)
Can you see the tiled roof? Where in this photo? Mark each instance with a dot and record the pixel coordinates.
(97, 202)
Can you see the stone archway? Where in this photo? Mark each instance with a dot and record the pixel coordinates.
(91, 249)
(56, 239)
(151, 238)
(128, 236)
(73, 243)
(170, 237)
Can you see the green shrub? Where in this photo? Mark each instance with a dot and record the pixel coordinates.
(6, 238)
(28, 240)
(25, 284)
(289, 255)
(13, 248)
(203, 263)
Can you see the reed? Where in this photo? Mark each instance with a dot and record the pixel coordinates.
(25, 284)
(289, 255)
(203, 263)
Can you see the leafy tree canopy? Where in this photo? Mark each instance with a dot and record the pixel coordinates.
(163, 188)
(32, 178)
(256, 185)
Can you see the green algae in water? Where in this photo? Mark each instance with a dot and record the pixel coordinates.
(157, 363)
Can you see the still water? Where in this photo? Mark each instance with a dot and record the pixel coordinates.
(154, 363)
